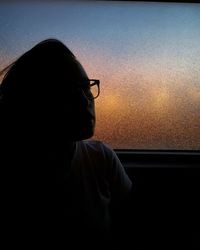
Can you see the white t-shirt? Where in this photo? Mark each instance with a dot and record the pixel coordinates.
(96, 178)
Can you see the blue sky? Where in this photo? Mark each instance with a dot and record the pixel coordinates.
(133, 26)
(149, 51)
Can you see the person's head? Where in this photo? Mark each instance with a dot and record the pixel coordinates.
(48, 89)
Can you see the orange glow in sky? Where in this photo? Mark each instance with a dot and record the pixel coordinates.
(146, 56)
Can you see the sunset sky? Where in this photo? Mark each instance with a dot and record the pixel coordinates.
(146, 55)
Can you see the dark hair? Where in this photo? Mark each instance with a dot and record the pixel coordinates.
(33, 96)
(34, 73)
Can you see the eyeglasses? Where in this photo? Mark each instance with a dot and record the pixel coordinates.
(91, 88)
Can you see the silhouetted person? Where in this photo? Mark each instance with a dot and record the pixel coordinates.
(47, 111)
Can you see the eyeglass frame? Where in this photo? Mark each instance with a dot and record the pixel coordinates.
(96, 82)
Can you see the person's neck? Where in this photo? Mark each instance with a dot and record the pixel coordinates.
(62, 155)
(70, 149)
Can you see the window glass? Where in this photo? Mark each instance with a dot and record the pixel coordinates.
(146, 55)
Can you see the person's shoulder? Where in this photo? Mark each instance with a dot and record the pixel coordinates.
(100, 151)
(96, 145)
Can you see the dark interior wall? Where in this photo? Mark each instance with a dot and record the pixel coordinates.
(164, 211)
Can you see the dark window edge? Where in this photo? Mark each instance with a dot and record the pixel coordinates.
(159, 158)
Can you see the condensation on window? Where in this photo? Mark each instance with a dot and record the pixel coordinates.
(146, 55)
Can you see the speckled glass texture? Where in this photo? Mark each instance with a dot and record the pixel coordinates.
(146, 55)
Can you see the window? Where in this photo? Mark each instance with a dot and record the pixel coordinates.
(146, 54)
